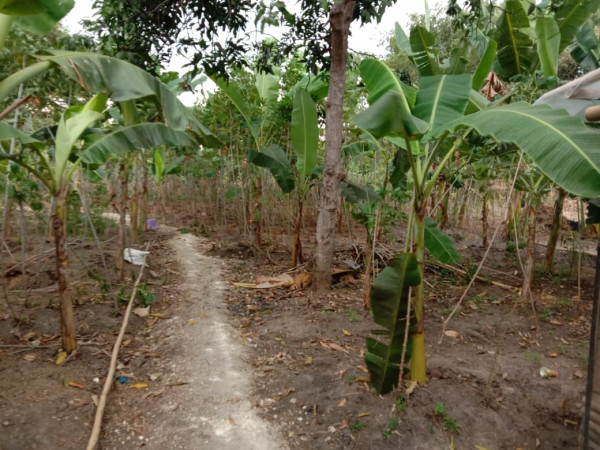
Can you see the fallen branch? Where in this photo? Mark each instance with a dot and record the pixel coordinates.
(467, 276)
(93, 442)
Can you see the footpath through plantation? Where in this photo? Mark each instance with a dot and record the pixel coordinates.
(343, 252)
(217, 363)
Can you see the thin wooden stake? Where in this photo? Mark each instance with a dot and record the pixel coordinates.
(93, 442)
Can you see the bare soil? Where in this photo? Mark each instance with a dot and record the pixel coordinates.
(308, 378)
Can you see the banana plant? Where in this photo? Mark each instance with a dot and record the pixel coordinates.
(160, 169)
(56, 170)
(536, 186)
(304, 136)
(434, 127)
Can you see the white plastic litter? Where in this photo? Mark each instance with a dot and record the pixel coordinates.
(135, 257)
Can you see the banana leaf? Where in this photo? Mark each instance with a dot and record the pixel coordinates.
(515, 47)
(442, 98)
(559, 144)
(439, 243)
(274, 158)
(390, 116)
(304, 132)
(423, 52)
(357, 193)
(485, 65)
(389, 303)
(121, 80)
(571, 15)
(379, 79)
(7, 133)
(548, 42)
(232, 91)
(37, 16)
(135, 137)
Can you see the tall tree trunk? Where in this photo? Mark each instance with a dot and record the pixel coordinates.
(530, 261)
(297, 250)
(340, 17)
(67, 321)
(555, 230)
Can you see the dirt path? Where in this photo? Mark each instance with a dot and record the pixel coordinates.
(212, 409)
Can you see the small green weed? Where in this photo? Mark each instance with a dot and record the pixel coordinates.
(546, 314)
(145, 297)
(534, 356)
(401, 404)
(352, 316)
(392, 425)
(440, 412)
(564, 302)
(351, 378)
(357, 426)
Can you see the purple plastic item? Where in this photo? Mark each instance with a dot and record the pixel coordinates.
(152, 224)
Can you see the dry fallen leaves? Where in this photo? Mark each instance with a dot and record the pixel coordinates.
(343, 402)
(452, 333)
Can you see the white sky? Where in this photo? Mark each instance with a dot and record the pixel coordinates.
(370, 38)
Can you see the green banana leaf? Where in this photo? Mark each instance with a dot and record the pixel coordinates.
(584, 49)
(274, 158)
(559, 144)
(121, 80)
(423, 53)
(571, 15)
(456, 63)
(402, 39)
(398, 177)
(37, 16)
(389, 303)
(135, 137)
(389, 116)
(158, 165)
(442, 98)
(548, 43)
(485, 65)
(73, 122)
(439, 244)
(267, 85)
(304, 132)
(357, 193)
(379, 79)
(515, 47)
(7, 133)
(232, 91)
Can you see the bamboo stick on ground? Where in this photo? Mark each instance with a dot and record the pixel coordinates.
(93, 442)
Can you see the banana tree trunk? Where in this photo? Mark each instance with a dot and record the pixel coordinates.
(258, 214)
(444, 206)
(297, 250)
(484, 221)
(555, 230)
(368, 279)
(526, 293)
(134, 218)
(144, 200)
(59, 227)
(417, 359)
(340, 17)
(513, 216)
(463, 208)
(122, 219)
